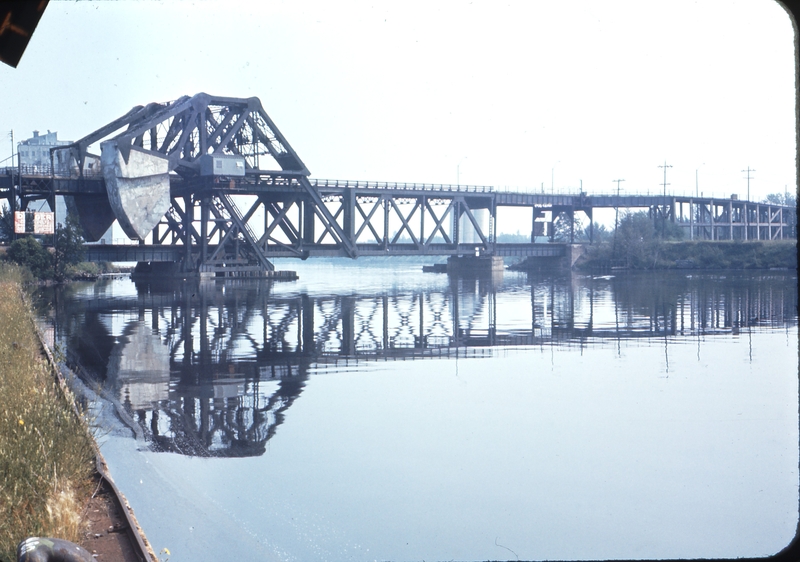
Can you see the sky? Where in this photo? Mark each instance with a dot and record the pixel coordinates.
(525, 95)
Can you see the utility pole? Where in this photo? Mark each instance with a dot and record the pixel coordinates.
(616, 220)
(552, 175)
(664, 207)
(665, 184)
(458, 170)
(13, 198)
(696, 183)
(748, 170)
(747, 204)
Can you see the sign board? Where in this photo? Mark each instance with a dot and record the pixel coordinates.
(44, 223)
(19, 222)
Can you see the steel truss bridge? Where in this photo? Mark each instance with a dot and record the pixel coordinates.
(210, 183)
(211, 368)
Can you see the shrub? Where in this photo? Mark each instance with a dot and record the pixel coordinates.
(28, 252)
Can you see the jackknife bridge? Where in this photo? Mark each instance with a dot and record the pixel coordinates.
(211, 184)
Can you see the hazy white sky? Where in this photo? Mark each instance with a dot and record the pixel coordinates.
(517, 94)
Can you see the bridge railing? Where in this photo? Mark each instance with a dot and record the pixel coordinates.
(323, 183)
(46, 171)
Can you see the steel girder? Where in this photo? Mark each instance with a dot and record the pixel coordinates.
(388, 219)
(189, 128)
(219, 229)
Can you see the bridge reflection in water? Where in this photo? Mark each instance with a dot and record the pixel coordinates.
(210, 368)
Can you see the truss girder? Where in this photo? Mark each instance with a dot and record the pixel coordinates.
(273, 224)
(405, 219)
(367, 219)
(329, 222)
(245, 231)
(332, 217)
(190, 127)
(438, 223)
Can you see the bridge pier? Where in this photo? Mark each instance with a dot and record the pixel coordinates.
(550, 263)
(175, 270)
(475, 265)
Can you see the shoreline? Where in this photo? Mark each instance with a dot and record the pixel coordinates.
(101, 519)
(121, 514)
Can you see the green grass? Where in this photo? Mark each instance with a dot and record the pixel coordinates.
(46, 453)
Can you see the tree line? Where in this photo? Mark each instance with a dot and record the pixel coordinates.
(639, 242)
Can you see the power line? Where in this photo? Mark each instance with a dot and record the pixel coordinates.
(748, 181)
(616, 221)
(665, 184)
(664, 206)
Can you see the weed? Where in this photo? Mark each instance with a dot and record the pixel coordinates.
(46, 455)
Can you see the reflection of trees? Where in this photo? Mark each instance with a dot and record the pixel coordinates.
(677, 303)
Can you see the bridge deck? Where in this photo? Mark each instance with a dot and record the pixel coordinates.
(334, 218)
(174, 252)
(285, 183)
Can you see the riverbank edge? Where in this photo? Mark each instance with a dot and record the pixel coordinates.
(683, 255)
(134, 531)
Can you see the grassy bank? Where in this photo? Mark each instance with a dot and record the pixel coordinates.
(46, 454)
(657, 254)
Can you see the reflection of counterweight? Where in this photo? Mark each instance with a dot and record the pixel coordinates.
(230, 414)
(139, 367)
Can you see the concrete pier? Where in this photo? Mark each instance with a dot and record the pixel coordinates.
(549, 263)
(171, 271)
(475, 265)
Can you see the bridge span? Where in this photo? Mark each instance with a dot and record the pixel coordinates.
(210, 183)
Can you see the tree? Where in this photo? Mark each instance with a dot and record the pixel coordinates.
(600, 233)
(670, 231)
(787, 199)
(6, 225)
(30, 253)
(790, 200)
(634, 239)
(561, 229)
(69, 249)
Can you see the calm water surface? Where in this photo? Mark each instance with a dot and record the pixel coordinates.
(370, 411)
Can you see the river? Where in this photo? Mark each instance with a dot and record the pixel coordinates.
(369, 411)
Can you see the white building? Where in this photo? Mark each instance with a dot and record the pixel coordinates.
(34, 158)
(34, 153)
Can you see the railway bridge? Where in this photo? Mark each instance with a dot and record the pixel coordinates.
(210, 184)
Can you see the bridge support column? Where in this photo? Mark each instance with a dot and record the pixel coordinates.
(386, 205)
(591, 224)
(349, 206)
(308, 222)
(535, 214)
